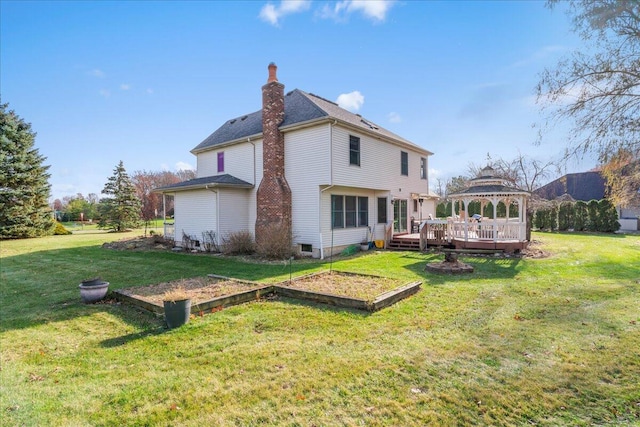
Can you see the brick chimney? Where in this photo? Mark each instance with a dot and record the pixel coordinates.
(274, 194)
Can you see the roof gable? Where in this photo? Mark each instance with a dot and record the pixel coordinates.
(299, 107)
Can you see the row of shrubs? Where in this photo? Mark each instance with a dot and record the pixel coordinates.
(596, 215)
(276, 243)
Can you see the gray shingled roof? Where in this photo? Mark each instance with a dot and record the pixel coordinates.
(225, 180)
(488, 183)
(299, 107)
(490, 189)
(584, 186)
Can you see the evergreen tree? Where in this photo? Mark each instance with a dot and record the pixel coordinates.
(608, 217)
(121, 209)
(593, 222)
(566, 214)
(24, 181)
(581, 216)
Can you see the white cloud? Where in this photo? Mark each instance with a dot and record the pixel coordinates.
(274, 13)
(394, 117)
(125, 86)
(351, 101)
(97, 73)
(375, 10)
(105, 93)
(184, 166)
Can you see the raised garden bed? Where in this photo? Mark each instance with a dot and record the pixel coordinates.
(214, 292)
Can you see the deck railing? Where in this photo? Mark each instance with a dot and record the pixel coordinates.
(441, 231)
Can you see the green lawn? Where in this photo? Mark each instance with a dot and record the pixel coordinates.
(546, 342)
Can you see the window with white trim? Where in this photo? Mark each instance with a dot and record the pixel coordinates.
(404, 163)
(349, 211)
(354, 150)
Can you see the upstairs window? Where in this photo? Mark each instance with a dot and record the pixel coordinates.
(354, 150)
(404, 163)
(221, 161)
(423, 168)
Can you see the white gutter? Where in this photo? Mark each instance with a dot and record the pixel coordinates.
(324, 189)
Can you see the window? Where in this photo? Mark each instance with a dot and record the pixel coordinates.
(382, 210)
(337, 211)
(354, 150)
(404, 163)
(415, 205)
(363, 211)
(423, 168)
(221, 161)
(349, 211)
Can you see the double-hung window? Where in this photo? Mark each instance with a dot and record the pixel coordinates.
(423, 168)
(349, 211)
(404, 163)
(354, 150)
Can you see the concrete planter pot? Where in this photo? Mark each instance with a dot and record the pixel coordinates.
(93, 290)
(176, 313)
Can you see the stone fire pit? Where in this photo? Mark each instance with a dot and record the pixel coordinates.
(450, 265)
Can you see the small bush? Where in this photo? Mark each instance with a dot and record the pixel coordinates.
(239, 243)
(210, 241)
(276, 242)
(189, 243)
(60, 230)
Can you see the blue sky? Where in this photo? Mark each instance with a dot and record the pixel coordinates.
(145, 82)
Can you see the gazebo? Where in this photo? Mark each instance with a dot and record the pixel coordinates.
(500, 222)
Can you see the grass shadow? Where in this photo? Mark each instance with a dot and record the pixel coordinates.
(484, 267)
(134, 336)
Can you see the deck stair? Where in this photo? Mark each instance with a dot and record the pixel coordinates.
(404, 243)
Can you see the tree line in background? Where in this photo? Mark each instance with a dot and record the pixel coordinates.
(90, 207)
(595, 215)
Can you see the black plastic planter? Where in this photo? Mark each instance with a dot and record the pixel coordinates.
(176, 313)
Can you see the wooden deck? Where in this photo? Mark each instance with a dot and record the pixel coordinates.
(411, 242)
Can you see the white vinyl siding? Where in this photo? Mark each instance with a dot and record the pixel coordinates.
(379, 165)
(195, 212)
(234, 216)
(307, 165)
(238, 162)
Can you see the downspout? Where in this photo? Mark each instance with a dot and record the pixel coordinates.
(323, 190)
(217, 213)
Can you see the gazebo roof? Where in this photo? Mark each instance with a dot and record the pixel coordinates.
(487, 184)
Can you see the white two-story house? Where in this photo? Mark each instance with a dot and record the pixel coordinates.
(335, 177)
